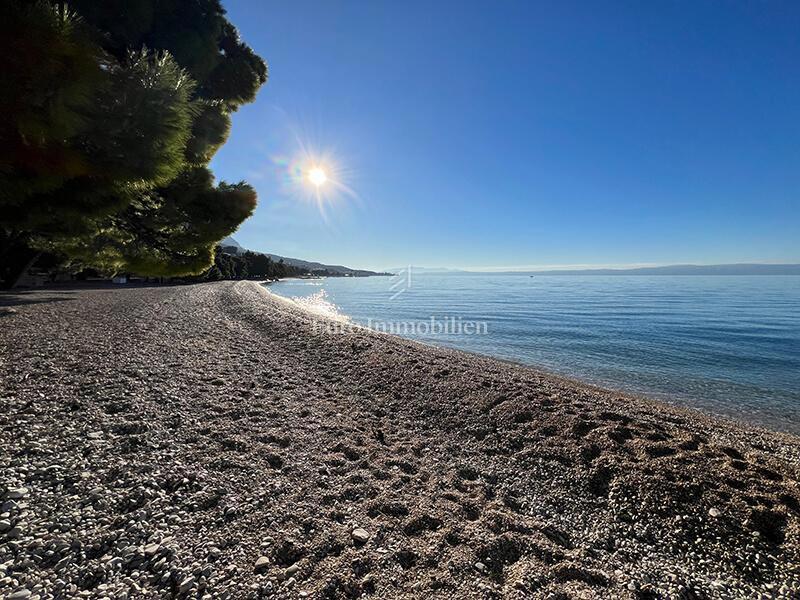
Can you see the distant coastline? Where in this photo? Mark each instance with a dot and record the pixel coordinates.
(731, 269)
(314, 269)
(722, 269)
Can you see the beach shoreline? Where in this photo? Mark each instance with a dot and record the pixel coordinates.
(655, 402)
(255, 437)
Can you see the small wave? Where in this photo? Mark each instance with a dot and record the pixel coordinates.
(319, 304)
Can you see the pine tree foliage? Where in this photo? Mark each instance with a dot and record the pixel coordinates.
(112, 110)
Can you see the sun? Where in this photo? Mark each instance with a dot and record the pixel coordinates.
(317, 176)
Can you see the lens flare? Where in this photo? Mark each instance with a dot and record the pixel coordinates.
(314, 172)
(316, 177)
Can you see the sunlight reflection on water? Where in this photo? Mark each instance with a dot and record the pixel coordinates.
(319, 304)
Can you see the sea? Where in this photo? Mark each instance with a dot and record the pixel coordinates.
(727, 345)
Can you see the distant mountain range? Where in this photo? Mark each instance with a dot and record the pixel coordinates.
(732, 269)
(416, 269)
(229, 243)
(728, 269)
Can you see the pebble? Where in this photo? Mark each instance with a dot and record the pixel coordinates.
(186, 585)
(17, 493)
(19, 595)
(292, 570)
(714, 512)
(360, 536)
(261, 564)
(152, 549)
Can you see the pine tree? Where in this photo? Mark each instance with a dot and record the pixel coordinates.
(112, 110)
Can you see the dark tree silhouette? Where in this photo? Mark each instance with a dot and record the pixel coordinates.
(111, 112)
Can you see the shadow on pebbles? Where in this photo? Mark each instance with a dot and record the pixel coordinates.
(208, 441)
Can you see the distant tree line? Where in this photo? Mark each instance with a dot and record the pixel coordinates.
(111, 111)
(229, 264)
(249, 265)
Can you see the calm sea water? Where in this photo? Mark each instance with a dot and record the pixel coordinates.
(727, 345)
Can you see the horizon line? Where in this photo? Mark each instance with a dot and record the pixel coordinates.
(595, 266)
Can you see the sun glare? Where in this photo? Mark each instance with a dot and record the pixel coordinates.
(317, 176)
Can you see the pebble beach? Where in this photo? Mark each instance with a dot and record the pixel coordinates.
(212, 441)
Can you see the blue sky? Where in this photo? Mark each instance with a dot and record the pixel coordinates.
(518, 134)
